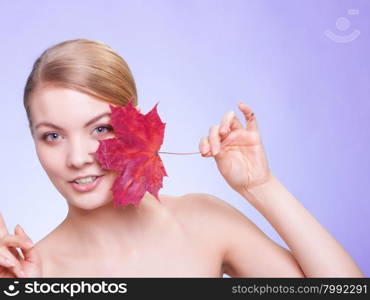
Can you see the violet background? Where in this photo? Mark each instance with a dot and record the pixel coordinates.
(310, 94)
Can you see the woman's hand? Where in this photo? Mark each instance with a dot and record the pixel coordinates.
(238, 151)
(14, 263)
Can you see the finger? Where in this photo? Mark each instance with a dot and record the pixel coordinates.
(236, 124)
(4, 261)
(9, 256)
(4, 232)
(16, 241)
(249, 116)
(14, 251)
(214, 139)
(17, 253)
(28, 253)
(226, 122)
(19, 231)
(16, 267)
(3, 229)
(205, 148)
(203, 145)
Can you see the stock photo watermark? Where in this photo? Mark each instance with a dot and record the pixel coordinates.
(70, 289)
(343, 25)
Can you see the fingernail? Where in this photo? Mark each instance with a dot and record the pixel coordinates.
(22, 274)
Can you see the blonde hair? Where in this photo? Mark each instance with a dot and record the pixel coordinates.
(87, 66)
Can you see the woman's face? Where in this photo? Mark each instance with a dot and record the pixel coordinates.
(67, 126)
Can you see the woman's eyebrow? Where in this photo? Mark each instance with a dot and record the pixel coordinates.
(93, 120)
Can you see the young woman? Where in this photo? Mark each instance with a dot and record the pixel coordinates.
(67, 97)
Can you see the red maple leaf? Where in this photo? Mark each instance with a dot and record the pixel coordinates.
(133, 153)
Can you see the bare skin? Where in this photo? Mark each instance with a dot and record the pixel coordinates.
(163, 243)
(195, 235)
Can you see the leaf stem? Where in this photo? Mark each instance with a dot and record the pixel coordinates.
(179, 153)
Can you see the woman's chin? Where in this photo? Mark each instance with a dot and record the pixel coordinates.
(89, 203)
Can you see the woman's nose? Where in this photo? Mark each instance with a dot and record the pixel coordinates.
(81, 152)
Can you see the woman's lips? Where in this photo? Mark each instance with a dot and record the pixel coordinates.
(87, 187)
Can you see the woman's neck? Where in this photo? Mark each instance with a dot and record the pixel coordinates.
(98, 230)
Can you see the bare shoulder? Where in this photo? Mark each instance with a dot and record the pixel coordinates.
(190, 205)
(247, 250)
(207, 213)
(191, 201)
(203, 205)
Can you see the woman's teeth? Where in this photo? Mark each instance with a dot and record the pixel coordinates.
(85, 180)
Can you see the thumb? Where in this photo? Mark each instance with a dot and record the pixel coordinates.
(30, 253)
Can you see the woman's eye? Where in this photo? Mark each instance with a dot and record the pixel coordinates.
(53, 135)
(50, 137)
(103, 129)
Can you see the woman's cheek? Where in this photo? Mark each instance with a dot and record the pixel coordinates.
(50, 159)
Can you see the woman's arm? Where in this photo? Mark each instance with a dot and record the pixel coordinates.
(242, 161)
(315, 249)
